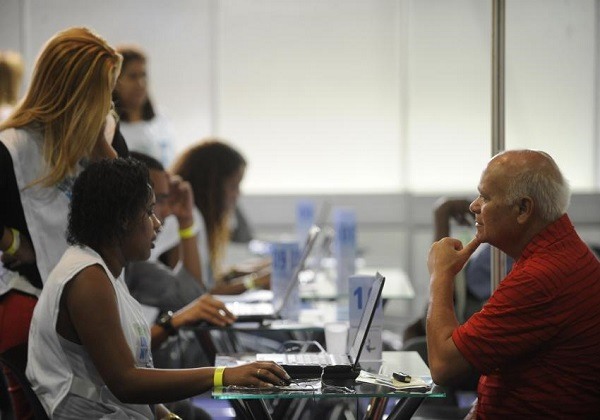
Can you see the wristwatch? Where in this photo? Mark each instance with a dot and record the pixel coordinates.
(165, 321)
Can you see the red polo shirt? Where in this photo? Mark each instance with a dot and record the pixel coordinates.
(537, 340)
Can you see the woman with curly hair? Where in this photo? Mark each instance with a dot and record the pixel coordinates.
(89, 345)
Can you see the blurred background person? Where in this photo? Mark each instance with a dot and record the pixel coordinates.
(11, 75)
(144, 129)
(215, 170)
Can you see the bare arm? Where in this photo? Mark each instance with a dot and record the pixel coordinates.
(447, 210)
(446, 259)
(93, 312)
(235, 286)
(181, 200)
(205, 308)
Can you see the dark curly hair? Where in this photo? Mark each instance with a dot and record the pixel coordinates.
(106, 196)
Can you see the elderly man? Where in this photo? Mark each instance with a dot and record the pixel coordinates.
(536, 343)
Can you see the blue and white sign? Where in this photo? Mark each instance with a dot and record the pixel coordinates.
(359, 289)
(344, 225)
(305, 218)
(285, 256)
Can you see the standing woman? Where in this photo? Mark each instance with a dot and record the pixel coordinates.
(145, 130)
(215, 170)
(89, 348)
(62, 122)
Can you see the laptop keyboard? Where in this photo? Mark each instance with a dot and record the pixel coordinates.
(308, 359)
(245, 309)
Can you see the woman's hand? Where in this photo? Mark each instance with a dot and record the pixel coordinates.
(25, 254)
(205, 308)
(181, 200)
(263, 281)
(257, 374)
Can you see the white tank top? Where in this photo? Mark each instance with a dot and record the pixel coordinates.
(61, 372)
(45, 208)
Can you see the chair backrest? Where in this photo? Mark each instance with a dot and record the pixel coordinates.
(15, 360)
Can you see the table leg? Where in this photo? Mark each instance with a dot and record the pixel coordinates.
(405, 408)
(376, 408)
(254, 409)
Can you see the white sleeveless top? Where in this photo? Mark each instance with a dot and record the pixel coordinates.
(62, 372)
(45, 208)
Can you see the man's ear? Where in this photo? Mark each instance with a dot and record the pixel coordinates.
(526, 207)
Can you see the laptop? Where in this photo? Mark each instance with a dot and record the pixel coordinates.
(261, 311)
(302, 365)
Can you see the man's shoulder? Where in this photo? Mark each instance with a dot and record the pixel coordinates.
(553, 267)
(145, 271)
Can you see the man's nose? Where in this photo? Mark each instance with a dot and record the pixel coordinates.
(474, 206)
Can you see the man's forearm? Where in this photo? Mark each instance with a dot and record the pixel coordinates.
(441, 322)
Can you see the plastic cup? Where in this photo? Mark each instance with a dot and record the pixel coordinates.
(336, 337)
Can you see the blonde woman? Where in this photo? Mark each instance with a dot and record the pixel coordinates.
(62, 122)
(11, 73)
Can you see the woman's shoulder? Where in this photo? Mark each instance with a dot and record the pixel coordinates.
(76, 259)
(20, 135)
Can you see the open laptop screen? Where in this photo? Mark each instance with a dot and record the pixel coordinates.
(366, 318)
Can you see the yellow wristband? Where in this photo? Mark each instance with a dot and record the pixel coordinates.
(188, 232)
(218, 378)
(16, 242)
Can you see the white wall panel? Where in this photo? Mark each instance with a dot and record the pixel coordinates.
(309, 91)
(175, 35)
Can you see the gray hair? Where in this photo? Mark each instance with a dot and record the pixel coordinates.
(541, 179)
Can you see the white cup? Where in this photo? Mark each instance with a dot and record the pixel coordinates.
(336, 337)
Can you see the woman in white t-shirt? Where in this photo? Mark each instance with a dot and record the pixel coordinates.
(144, 129)
(89, 343)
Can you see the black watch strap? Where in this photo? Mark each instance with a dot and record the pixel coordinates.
(165, 321)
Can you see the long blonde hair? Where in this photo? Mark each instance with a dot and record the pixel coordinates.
(69, 98)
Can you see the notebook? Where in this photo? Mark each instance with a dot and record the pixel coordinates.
(307, 364)
(260, 311)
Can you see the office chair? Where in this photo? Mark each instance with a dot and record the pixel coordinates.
(15, 360)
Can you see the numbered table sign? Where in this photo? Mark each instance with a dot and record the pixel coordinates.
(359, 289)
(344, 246)
(285, 256)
